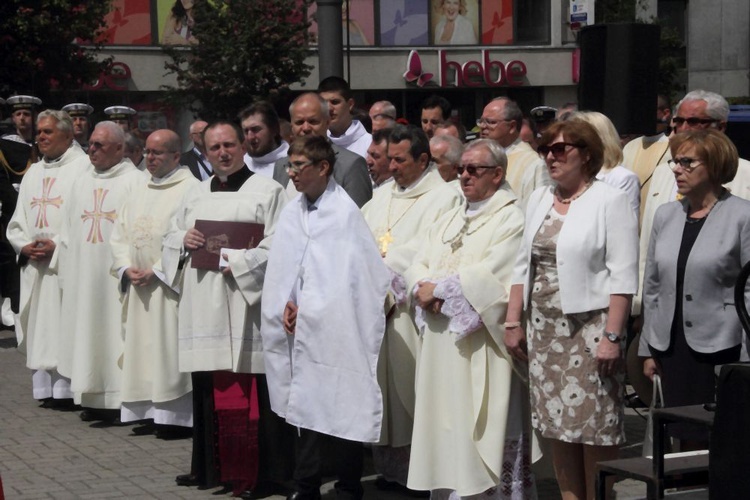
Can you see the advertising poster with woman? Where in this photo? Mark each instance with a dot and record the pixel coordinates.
(455, 22)
(175, 21)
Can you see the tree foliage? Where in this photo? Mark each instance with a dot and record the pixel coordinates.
(39, 49)
(247, 49)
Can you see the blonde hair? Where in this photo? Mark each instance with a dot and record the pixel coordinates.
(461, 6)
(608, 134)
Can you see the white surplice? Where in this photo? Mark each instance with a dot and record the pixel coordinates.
(471, 406)
(219, 316)
(264, 165)
(43, 196)
(356, 139)
(91, 339)
(152, 384)
(403, 216)
(323, 377)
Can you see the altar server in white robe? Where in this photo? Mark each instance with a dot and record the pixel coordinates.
(34, 233)
(91, 340)
(152, 387)
(399, 215)
(471, 433)
(219, 318)
(323, 322)
(343, 130)
(263, 141)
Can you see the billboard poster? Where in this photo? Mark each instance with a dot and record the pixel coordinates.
(129, 23)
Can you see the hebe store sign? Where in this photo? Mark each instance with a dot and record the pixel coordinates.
(451, 73)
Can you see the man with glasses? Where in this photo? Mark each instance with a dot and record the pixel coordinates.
(152, 386)
(399, 216)
(698, 109)
(91, 334)
(323, 323)
(34, 232)
(219, 317)
(501, 121)
(461, 277)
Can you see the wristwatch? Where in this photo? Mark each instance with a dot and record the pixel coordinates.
(613, 337)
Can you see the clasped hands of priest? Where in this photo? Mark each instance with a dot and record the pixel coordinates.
(39, 250)
(424, 294)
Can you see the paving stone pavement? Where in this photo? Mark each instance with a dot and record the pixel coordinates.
(49, 454)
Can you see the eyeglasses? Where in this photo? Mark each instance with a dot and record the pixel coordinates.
(678, 121)
(490, 123)
(296, 167)
(97, 145)
(558, 149)
(685, 163)
(155, 152)
(472, 169)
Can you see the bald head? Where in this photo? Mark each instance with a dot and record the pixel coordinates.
(309, 113)
(162, 152)
(196, 134)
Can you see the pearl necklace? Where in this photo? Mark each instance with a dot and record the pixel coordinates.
(566, 201)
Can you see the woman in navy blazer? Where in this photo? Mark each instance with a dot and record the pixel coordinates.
(575, 273)
(697, 249)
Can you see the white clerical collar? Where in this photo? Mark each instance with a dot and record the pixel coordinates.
(270, 157)
(415, 183)
(161, 180)
(474, 207)
(352, 133)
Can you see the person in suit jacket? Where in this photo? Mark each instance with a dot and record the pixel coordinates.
(697, 249)
(575, 273)
(195, 159)
(309, 113)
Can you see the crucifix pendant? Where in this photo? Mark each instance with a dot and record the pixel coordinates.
(384, 241)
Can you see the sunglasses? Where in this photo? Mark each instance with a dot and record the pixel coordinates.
(692, 122)
(472, 169)
(558, 149)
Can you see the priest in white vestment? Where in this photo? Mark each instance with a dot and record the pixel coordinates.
(471, 423)
(153, 387)
(34, 232)
(91, 340)
(399, 215)
(501, 121)
(263, 141)
(219, 319)
(343, 130)
(323, 322)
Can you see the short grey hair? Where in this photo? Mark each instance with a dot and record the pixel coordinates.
(116, 133)
(133, 142)
(455, 147)
(716, 106)
(496, 151)
(64, 121)
(512, 111)
(323, 103)
(388, 108)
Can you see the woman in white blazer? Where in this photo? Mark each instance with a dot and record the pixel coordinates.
(575, 273)
(697, 249)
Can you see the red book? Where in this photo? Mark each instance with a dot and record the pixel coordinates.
(223, 234)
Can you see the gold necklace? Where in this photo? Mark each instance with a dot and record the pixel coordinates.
(457, 240)
(566, 201)
(386, 239)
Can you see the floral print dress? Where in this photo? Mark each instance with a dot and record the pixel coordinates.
(569, 400)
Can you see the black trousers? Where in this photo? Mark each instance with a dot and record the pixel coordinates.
(204, 463)
(311, 448)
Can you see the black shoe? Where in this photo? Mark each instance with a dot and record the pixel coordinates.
(246, 495)
(187, 480)
(383, 484)
(173, 432)
(89, 416)
(143, 430)
(225, 488)
(47, 403)
(65, 404)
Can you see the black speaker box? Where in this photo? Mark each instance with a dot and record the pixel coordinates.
(619, 74)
